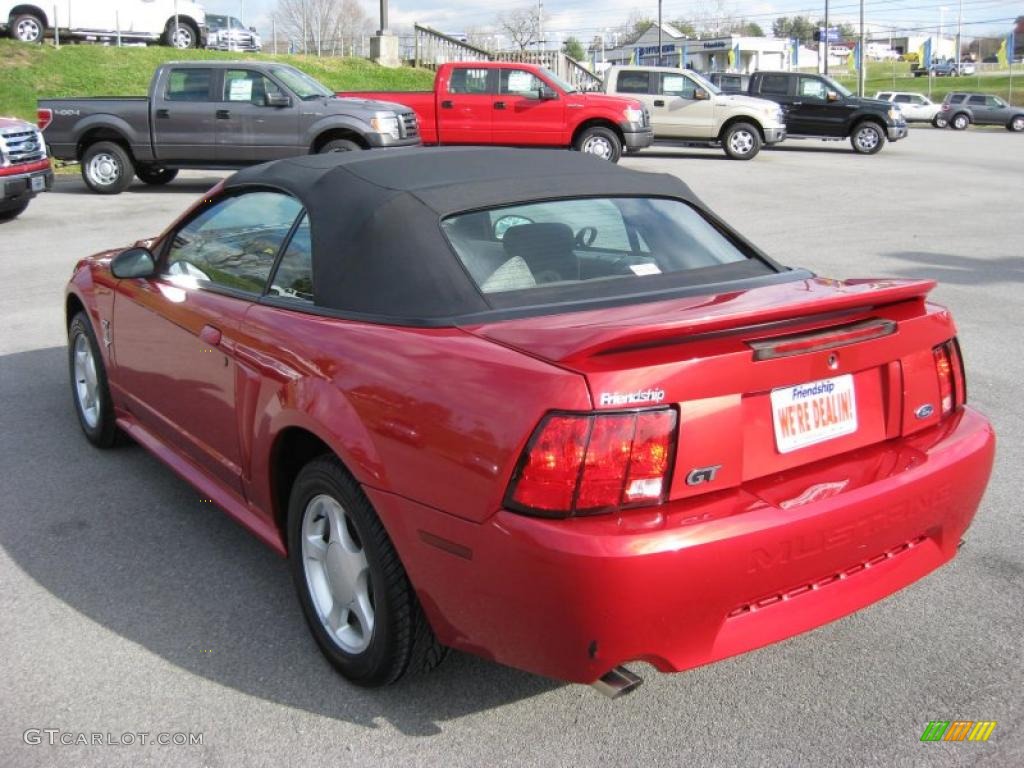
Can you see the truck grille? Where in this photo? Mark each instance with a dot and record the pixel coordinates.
(409, 127)
(20, 146)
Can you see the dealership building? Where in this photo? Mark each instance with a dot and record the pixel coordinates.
(731, 53)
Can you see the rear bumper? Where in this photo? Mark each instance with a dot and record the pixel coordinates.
(697, 581)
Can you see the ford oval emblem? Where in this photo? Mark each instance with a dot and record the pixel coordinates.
(924, 411)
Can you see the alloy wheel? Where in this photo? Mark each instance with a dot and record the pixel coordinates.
(86, 382)
(104, 169)
(337, 574)
(29, 30)
(741, 142)
(867, 138)
(599, 146)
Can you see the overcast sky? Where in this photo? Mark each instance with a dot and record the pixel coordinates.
(585, 18)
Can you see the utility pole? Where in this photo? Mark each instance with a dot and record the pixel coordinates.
(959, 34)
(659, 33)
(540, 23)
(826, 36)
(863, 62)
(383, 17)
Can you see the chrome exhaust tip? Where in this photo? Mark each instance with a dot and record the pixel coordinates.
(617, 682)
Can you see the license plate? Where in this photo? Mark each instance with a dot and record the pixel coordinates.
(811, 413)
(38, 183)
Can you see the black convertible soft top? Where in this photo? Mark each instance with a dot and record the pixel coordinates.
(375, 217)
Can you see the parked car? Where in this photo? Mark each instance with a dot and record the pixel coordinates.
(687, 109)
(24, 166)
(916, 107)
(960, 110)
(533, 407)
(508, 104)
(215, 114)
(144, 20)
(228, 33)
(944, 69)
(818, 107)
(729, 82)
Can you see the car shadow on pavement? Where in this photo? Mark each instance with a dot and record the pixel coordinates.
(961, 270)
(191, 186)
(122, 540)
(680, 153)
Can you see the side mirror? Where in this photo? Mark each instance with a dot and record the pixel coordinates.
(545, 93)
(133, 263)
(277, 100)
(252, 29)
(832, 96)
(701, 95)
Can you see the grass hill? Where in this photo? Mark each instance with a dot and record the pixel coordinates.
(29, 72)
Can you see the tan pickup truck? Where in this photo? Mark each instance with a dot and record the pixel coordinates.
(687, 109)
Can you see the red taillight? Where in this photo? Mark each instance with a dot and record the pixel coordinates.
(591, 463)
(949, 371)
(43, 118)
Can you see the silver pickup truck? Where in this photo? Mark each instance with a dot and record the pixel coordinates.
(218, 115)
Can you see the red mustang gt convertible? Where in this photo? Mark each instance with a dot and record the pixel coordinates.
(534, 407)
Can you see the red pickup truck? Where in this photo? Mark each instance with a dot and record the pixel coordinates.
(524, 105)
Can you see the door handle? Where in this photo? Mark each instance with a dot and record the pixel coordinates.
(223, 114)
(499, 105)
(210, 335)
(163, 113)
(446, 104)
(659, 103)
(797, 104)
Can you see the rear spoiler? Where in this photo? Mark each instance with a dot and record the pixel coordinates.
(577, 335)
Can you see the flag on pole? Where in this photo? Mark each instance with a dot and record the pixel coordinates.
(925, 53)
(734, 56)
(683, 53)
(632, 57)
(796, 51)
(1006, 52)
(857, 56)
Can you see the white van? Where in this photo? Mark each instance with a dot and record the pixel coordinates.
(136, 20)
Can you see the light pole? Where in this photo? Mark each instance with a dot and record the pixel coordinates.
(959, 34)
(659, 33)
(862, 62)
(826, 36)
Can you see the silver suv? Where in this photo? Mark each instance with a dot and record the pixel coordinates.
(959, 110)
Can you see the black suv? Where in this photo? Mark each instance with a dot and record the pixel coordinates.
(959, 110)
(818, 107)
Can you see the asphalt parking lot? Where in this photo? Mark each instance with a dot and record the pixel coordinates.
(130, 606)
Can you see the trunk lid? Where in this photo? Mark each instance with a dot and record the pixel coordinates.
(719, 358)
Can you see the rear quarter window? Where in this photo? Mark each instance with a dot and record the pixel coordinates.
(632, 81)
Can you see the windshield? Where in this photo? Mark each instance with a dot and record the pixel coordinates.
(704, 83)
(552, 77)
(304, 86)
(843, 90)
(586, 247)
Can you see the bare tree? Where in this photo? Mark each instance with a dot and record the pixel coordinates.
(522, 25)
(322, 26)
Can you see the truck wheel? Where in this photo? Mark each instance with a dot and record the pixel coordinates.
(940, 122)
(155, 175)
(867, 138)
(13, 211)
(339, 145)
(600, 142)
(960, 122)
(27, 28)
(1016, 124)
(186, 35)
(741, 141)
(107, 168)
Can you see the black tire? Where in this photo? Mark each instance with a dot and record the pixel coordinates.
(741, 141)
(867, 138)
(154, 175)
(401, 640)
(103, 431)
(107, 168)
(1016, 124)
(13, 211)
(27, 28)
(600, 142)
(940, 122)
(188, 36)
(339, 145)
(960, 121)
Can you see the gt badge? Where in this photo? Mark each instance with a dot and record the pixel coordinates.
(702, 475)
